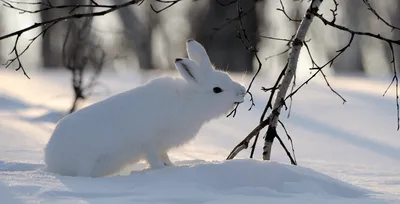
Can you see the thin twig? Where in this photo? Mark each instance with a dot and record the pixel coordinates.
(242, 35)
(395, 80)
(283, 10)
(315, 66)
(47, 6)
(370, 8)
(289, 138)
(268, 105)
(245, 143)
(170, 4)
(51, 23)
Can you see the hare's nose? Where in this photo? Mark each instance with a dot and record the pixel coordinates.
(241, 91)
(241, 94)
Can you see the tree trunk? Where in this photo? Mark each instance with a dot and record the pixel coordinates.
(352, 62)
(53, 40)
(226, 51)
(1, 32)
(395, 20)
(138, 36)
(290, 71)
(51, 58)
(82, 50)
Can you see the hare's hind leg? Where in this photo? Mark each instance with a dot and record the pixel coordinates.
(165, 159)
(107, 165)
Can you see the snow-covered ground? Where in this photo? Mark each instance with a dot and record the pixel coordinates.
(346, 153)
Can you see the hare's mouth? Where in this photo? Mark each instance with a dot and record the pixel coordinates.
(238, 102)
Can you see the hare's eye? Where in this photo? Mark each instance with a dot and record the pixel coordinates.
(217, 90)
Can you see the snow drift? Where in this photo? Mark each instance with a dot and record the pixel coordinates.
(226, 181)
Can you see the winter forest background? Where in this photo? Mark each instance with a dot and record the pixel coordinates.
(138, 38)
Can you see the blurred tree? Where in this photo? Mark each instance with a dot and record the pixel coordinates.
(53, 40)
(138, 35)
(81, 50)
(395, 20)
(352, 62)
(1, 32)
(226, 51)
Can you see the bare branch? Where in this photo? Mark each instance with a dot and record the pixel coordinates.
(315, 66)
(18, 54)
(242, 35)
(275, 38)
(290, 139)
(48, 6)
(245, 143)
(292, 161)
(289, 73)
(343, 28)
(292, 66)
(228, 21)
(51, 23)
(396, 80)
(334, 11)
(375, 36)
(283, 10)
(170, 4)
(226, 4)
(370, 8)
(268, 105)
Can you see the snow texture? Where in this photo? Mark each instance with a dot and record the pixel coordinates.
(346, 153)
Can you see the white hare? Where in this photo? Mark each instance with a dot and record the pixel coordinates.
(143, 123)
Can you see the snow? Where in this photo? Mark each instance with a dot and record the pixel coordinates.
(346, 153)
(204, 182)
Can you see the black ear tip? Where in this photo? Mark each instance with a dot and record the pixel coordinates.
(190, 40)
(178, 59)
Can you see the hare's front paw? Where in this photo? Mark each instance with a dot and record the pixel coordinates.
(157, 161)
(168, 164)
(166, 160)
(154, 160)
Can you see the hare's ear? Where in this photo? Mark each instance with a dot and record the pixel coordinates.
(198, 54)
(189, 70)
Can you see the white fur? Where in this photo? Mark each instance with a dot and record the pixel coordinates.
(142, 123)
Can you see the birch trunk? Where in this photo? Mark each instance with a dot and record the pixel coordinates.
(290, 71)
